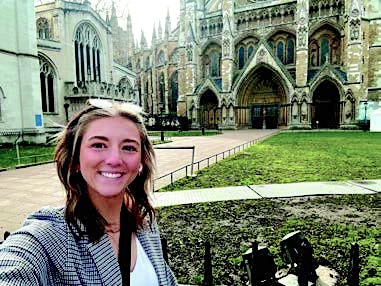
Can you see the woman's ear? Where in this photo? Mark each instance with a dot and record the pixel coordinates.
(140, 168)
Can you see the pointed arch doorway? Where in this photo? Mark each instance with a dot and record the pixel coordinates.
(208, 111)
(262, 100)
(326, 106)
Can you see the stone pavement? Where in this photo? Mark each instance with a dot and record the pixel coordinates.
(251, 192)
(23, 191)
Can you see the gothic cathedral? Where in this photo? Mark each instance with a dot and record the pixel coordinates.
(263, 64)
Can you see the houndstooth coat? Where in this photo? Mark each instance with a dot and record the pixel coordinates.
(45, 252)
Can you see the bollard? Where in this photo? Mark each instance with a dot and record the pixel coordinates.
(203, 131)
(354, 266)
(260, 265)
(162, 135)
(208, 272)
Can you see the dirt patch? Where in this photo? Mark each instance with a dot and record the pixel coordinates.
(329, 223)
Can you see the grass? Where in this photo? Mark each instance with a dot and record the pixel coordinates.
(295, 157)
(29, 154)
(330, 223)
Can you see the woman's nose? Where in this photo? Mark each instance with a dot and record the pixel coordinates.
(114, 156)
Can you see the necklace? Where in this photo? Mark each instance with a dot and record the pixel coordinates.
(112, 228)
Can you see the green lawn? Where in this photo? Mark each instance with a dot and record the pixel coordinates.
(29, 154)
(295, 157)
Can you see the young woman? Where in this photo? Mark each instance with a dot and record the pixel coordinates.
(106, 234)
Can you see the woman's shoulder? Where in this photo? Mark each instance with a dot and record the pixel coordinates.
(45, 220)
(43, 227)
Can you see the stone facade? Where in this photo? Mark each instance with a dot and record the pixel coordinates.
(20, 103)
(264, 64)
(55, 57)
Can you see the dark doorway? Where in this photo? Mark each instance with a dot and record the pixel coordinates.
(326, 106)
(209, 112)
(265, 116)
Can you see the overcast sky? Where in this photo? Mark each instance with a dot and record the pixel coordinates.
(144, 14)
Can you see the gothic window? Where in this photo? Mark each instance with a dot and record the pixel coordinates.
(160, 59)
(172, 100)
(138, 65)
(87, 52)
(124, 88)
(314, 54)
(43, 29)
(47, 82)
(290, 51)
(241, 57)
(1, 103)
(215, 64)
(146, 103)
(139, 91)
(147, 63)
(174, 58)
(335, 52)
(280, 51)
(162, 88)
(211, 61)
(324, 55)
(250, 52)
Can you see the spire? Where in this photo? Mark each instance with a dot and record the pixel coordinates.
(113, 19)
(130, 35)
(143, 41)
(167, 25)
(160, 31)
(153, 35)
(107, 18)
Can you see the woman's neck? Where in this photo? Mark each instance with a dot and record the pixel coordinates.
(109, 208)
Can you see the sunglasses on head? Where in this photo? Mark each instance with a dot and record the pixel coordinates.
(105, 104)
(96, 103)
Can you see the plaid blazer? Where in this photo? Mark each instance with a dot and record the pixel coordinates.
(45, 252)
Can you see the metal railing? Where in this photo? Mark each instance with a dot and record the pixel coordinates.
(206, 162)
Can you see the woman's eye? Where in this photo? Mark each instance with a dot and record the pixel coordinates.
(98, 145)
(129, 148)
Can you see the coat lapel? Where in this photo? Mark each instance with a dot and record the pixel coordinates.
(105, 261)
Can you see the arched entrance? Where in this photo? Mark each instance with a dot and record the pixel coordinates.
(262, 101)
(208, 111)
(326, 106)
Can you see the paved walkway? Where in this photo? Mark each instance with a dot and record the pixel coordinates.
(266, 191)
(23, 191)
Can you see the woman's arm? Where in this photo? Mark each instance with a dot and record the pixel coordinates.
(23, 261)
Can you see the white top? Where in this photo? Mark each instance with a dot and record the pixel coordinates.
(143, 274)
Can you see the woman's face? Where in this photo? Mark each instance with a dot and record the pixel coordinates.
(110, 156)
